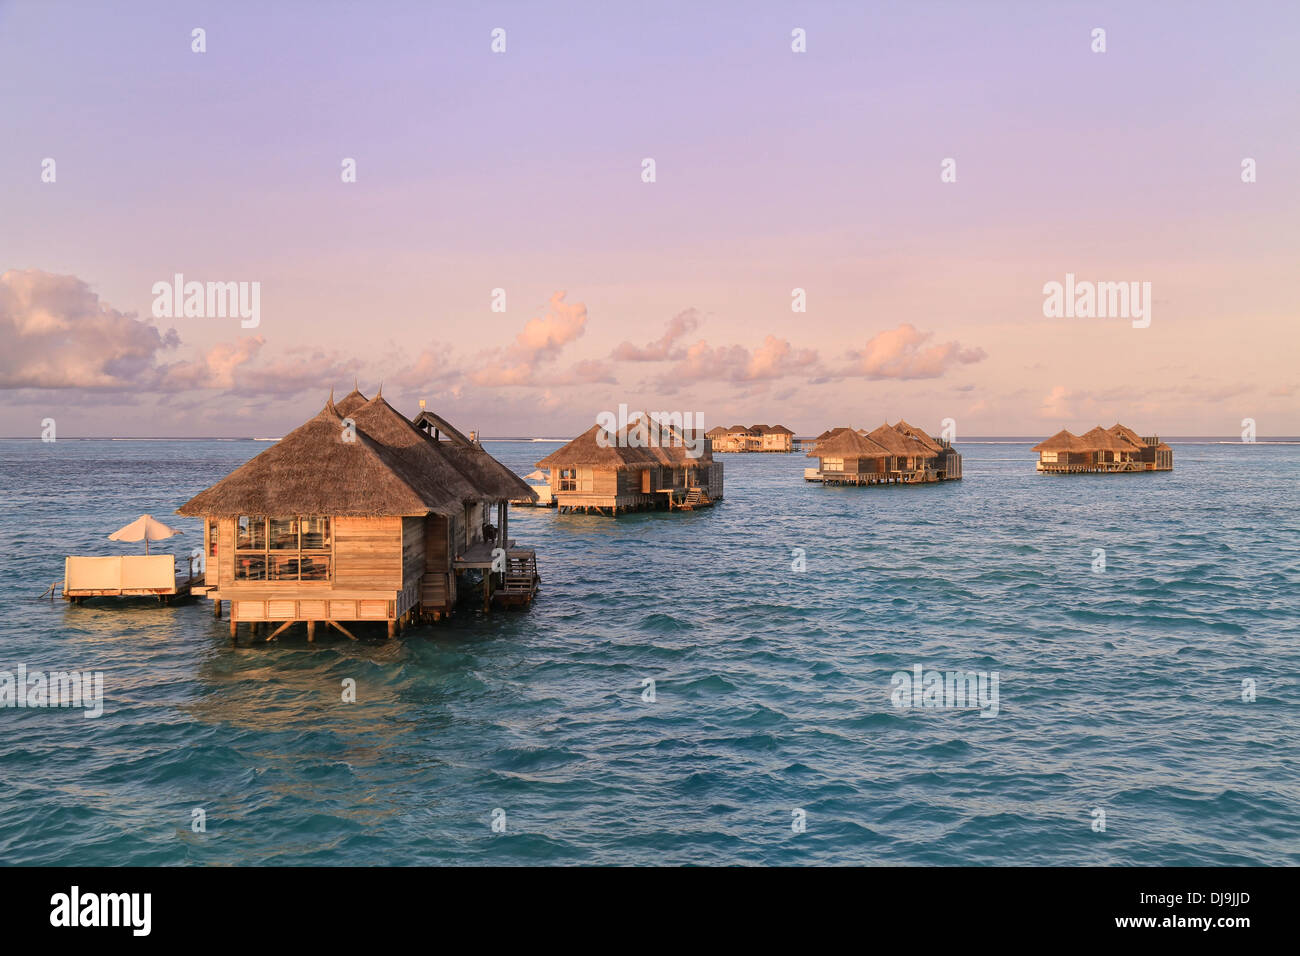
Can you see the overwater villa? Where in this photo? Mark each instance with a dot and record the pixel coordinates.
(645, 465)
(775, 438)
(361, 515)
(892, 454)
(738, 438)
(1103, 450)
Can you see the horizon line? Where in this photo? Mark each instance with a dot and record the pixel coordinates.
(974, 439)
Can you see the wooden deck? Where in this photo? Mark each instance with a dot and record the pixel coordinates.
(1099, 468)
(514, 586)
(479, 555)
(924, 477)
(681, 498)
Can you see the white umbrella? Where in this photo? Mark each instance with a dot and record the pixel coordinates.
(145, 528)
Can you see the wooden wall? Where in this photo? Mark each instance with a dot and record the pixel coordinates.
(412, 549)
(607, 481)
(225, 552)
(368, 553)
(715, 480)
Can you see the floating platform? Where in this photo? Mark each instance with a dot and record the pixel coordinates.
(127, 576)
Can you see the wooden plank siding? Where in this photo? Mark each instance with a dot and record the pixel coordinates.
(225, 552)
(368, 553)
(412, 549)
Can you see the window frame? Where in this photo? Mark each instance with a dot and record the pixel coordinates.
(268, 555)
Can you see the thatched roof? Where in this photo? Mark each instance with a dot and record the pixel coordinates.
(628, 448)
(1061, 441)
(391, 469)
(481, 470)
(1098, 439)
(831, 431)
(1132, 437)
(1127, 434)
(313, 470)
(715, 431)
(903, 428)
(1117, 438)
(351, 402)
(779, 430)
(1123, 431)
(437, 476)
(898, 444)
(486, 473)
(846, 443)
(586, 451)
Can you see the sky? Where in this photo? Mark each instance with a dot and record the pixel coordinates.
(774, 170)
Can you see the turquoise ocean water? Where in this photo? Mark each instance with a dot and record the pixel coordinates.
(1120, 691)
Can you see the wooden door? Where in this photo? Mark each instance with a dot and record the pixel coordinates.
(437, 556)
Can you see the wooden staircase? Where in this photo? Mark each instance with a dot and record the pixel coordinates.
(695, 498)
(521, 577)
(434, 595)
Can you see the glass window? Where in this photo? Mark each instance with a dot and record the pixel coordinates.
(212, 539)
(283, 535)
(284, 567)
(568, 479)
(252, 534)
(250, 567)
(296, 548)
(315, 534)
(315, 567)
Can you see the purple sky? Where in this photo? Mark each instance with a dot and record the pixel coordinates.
(775, 170)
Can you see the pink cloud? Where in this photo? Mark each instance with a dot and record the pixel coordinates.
(215, 368)
(902, 353)
(774, 359)
(1058, 403)
(665, 347)
(536, 346)
(58, 334)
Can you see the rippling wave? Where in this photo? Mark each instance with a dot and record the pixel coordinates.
(1119, 691)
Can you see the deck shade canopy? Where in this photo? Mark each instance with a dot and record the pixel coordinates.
(145, 528)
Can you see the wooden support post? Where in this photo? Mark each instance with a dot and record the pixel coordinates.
(311, 630)
(216, 609)
(234, 625)
(392, 627)
(487, 591)
(272, 636)
(336, 624)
